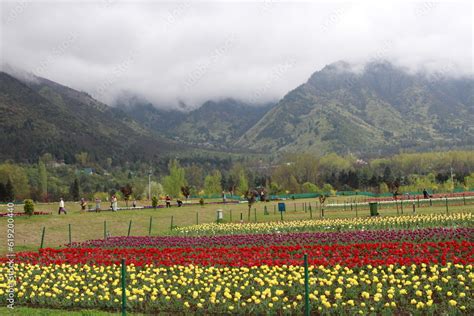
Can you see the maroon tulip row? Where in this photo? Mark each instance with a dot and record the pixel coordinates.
(417, 235)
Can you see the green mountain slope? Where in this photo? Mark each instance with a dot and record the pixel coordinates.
(38, 116)
(216, 124)
(381, 109)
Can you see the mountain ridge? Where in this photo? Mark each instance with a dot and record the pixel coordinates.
(376, 110)
(382, 105)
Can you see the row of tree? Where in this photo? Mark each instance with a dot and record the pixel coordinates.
(295, 173)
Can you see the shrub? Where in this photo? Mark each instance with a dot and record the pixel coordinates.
(154, 201)
(29, 207)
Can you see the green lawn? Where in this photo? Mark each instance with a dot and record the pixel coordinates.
(91, 225)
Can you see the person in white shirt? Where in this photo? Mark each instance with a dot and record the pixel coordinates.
(61, 207)
(114, 203)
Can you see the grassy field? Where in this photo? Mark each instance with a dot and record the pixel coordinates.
(90, 225)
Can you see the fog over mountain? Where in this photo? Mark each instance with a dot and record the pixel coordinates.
(181, 54)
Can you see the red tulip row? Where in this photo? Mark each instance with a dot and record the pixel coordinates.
(360, 254)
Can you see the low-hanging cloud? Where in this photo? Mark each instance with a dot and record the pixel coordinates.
(189, 52)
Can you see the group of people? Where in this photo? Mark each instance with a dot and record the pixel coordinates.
(83, 204)
(168, 201)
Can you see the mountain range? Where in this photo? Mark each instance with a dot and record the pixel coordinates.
(215, 124)
(379, 109)
(38, 116)
(376, 110)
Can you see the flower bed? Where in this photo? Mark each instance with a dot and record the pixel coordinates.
(23, 214)
(357, 266)
(303, 238)
(399, 222)
(385, 290)
(350, 255)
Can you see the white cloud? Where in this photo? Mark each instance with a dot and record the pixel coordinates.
(194, 51)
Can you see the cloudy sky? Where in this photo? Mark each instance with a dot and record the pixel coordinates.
(192, 51)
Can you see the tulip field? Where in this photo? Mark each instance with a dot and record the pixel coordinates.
(419, 265)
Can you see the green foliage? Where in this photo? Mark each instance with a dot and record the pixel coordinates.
(212, 183)
(28, 207)
(243, 185)
(103, 196)
(75, 190)
(42, 179)
(275, 188)
(328, 189)
(172, 184)
(9, 191)
(186, 191)
(469, 181)
(127, 191)
(140, 190)
(383, 188)
(82, 159)
(194, 176)
(334, 163)
(309, 187)
(18, 178)
(154, 201)
(156, 189)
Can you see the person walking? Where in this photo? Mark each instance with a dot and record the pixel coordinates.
(83, 204)
(168, 201)
(97, 205)
(114, 203)
(61, 207)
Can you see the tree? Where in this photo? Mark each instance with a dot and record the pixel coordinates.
(305, 168)
(328, 189)
(2, 192)
(186, 191)
(47, 159)
(9, 191)
(469, 182)
(75, 190)
(156, 189)
(82, 158)
(42, 179)
(212, 183)
(275, 188)
(18, 178)
(387, 176)
(126, 192)
(383, 188)
(140, 189)
(251, 196)
(309, 187)
(293, 186)
(333, 163)
(176, 179)
(243, 186)
(194, 176)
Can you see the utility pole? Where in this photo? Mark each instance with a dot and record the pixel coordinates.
(149, 185)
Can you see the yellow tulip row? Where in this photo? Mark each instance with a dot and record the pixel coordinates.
(265, 289)
(409, 221)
